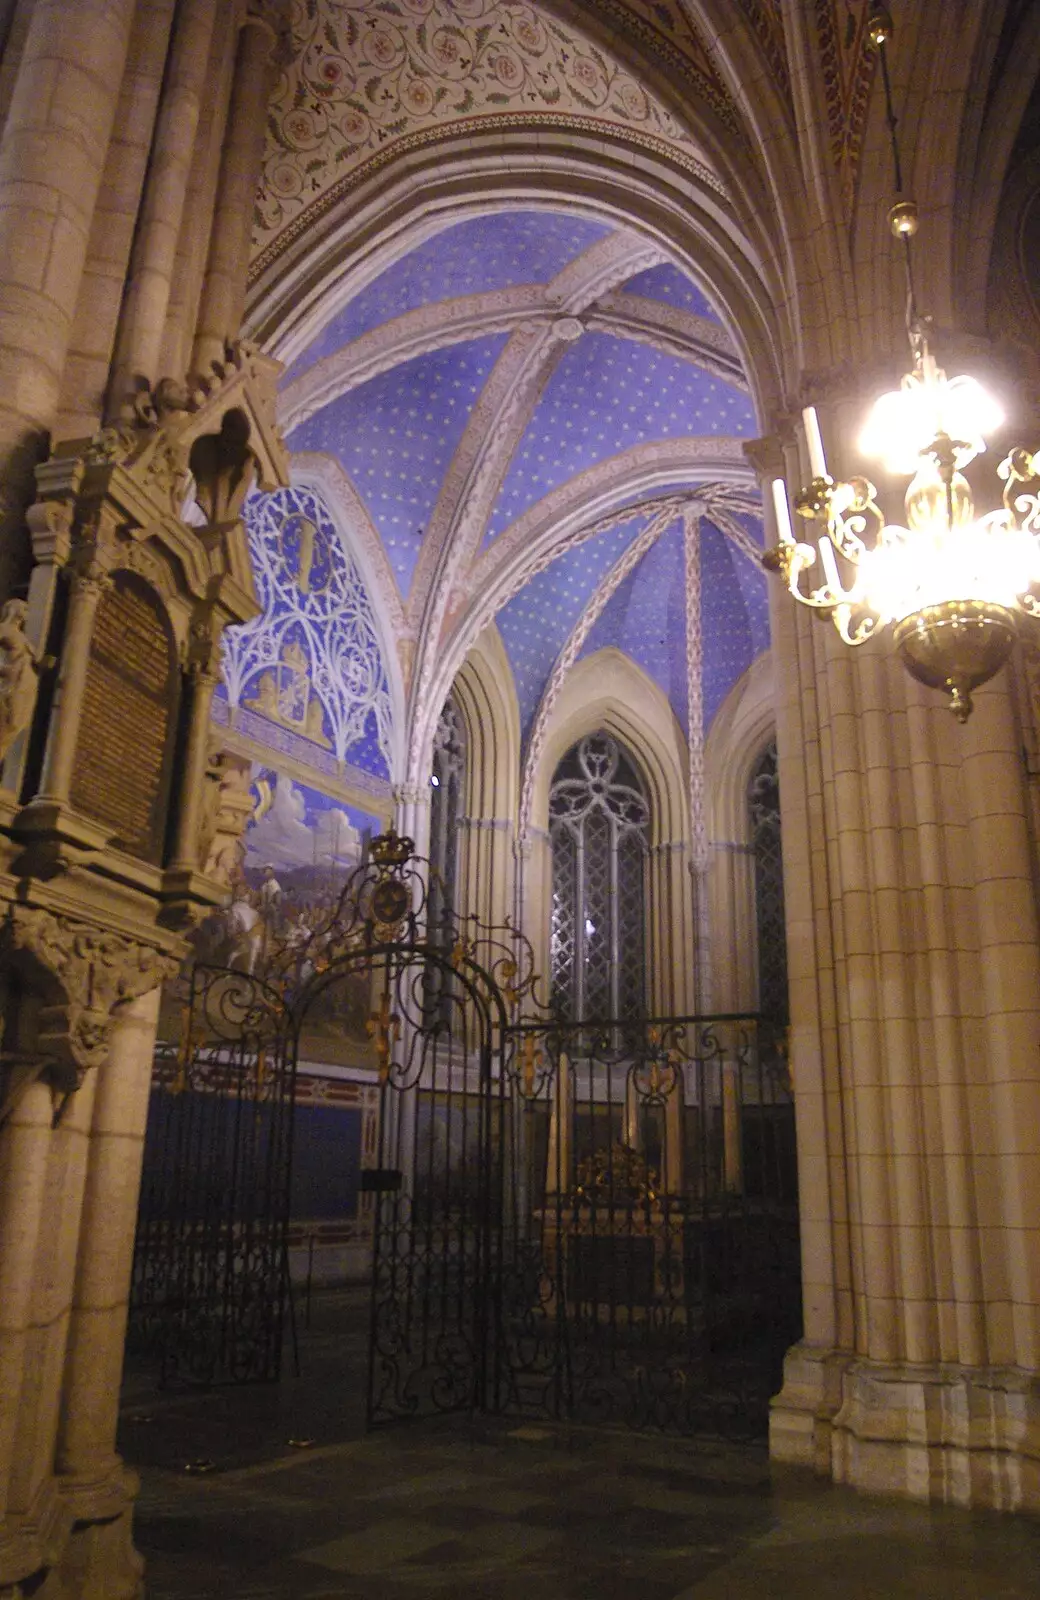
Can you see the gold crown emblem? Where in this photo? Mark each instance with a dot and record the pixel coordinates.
(390, 850)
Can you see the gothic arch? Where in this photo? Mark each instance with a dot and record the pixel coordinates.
(608, 690)
(485, 694)
(676, 210)
(744, 725)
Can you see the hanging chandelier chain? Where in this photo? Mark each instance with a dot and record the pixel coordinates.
(955, 587)
(903, 216)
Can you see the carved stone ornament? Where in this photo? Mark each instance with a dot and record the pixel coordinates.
(214, 435)
(223, 816)
(18, 673)
(82, 975)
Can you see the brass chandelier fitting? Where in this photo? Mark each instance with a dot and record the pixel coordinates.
(956, 588)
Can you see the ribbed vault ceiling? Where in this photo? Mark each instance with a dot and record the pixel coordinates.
(507, 402)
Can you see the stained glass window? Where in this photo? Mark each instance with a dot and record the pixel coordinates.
(598, 824)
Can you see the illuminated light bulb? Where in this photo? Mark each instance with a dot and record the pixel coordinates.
(901, 425)
(967, 412)
(906, 422)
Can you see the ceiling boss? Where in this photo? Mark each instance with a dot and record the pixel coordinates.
(955, 587)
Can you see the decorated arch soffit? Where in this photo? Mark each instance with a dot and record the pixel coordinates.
(368, 80)
(847, 64)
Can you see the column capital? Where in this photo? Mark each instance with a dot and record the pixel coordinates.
(766, 455)
(83, 974)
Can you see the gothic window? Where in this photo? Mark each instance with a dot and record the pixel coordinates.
(764, 808)
(598, 823)
(446, 801)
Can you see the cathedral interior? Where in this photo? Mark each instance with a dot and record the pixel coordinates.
(520, 1068)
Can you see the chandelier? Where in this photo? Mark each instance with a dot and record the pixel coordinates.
(954, 587)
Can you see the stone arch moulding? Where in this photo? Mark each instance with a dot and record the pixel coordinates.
(449, 180)
(485, 694)
(639, 480)
(743, 726)
(324, 475)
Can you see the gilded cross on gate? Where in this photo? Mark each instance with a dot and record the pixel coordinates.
(531, 1059)
(384, 1026)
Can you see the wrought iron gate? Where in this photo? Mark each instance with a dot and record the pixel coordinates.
(651, 1258)
(210, 1280)
(574, 1221)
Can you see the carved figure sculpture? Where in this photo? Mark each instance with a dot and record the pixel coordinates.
(19, 670)
(224, 813)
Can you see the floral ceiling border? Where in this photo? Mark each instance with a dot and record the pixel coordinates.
(848, 64)
(664, 31)
(470, 125)
(365, 73)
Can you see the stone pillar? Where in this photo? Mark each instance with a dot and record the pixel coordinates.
(24, 1147)
(673, 951)
(223, 295)
(915, 1025)
(115, 226)
(90, 1471)
(190, 261)
(87, 588)
(485, 885)
(32, 1492)
(151, 272)
(51, 159)
(193, 777)
(412, 815)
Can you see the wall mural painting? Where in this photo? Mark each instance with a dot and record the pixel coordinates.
(309, 668)
(300, 848)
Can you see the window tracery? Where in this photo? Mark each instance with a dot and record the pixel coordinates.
(311, 661)
(598, 824)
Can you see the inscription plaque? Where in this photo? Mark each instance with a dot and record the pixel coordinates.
(122, 769)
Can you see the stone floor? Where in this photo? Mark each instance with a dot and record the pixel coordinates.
(290, 1500)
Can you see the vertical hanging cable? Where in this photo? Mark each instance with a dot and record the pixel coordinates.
(903, 216)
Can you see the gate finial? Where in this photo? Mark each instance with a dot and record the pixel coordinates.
(390, 849)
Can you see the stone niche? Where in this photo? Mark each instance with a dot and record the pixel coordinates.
(116, 810)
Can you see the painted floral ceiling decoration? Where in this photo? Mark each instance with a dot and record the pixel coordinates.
(365, 73)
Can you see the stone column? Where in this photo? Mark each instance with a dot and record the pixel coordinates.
(31, 1486)
(190, 261)
(151, 270)
(412, 815)
(115, 225)
(87, 589)
(193, 772)
(24, 1146)
(51, 159)
(915, 1008)
(223, 295)
(485, 878)
(89, 1468)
